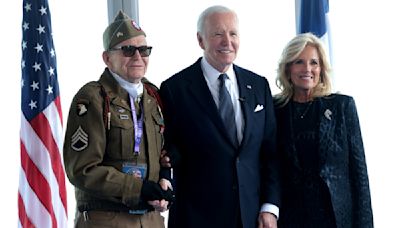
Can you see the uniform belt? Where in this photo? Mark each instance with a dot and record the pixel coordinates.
(134, 212)
(108, 208)
(86, 214)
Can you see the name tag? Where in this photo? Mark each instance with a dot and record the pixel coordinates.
(124, 117)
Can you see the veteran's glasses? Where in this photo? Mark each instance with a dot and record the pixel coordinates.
(129, 51)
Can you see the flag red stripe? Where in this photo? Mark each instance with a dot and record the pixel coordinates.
(23, 218)
(57, 102)
(37, 182)
(42, 128)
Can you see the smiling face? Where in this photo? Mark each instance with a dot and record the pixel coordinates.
(132, 68)
(305, 73)
(220, 40)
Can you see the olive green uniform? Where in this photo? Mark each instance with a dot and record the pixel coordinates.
(99, 140)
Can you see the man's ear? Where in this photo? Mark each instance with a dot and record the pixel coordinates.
(106, 58)
(200, 40)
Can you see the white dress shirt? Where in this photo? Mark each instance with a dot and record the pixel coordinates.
(211, 75)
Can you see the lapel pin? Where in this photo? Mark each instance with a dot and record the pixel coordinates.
(328, 114)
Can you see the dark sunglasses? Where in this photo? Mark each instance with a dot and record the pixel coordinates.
(129, 51)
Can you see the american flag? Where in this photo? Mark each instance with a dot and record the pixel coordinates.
(42, 197)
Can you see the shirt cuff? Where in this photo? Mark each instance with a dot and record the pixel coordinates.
(271, 208)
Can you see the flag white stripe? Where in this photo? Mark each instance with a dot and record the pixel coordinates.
(51, 113)
(327, 39)
(35, 211)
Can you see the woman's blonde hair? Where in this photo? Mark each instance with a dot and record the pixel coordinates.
(292, 51)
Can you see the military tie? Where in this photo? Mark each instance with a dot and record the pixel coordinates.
(137, 105)
(226, 109)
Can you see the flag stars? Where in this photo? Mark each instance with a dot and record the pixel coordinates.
(25, 26)
(41, 29)
(39, 47)
(28, 7)
(52, 53)
(32, 104)
(36, 66)
(24, 44)
(43, 10)
(51, 71)
(23, 64)
(35, 85)
(49, 90)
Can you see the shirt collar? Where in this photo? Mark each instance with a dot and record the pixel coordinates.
(212, 74)
(134, 89)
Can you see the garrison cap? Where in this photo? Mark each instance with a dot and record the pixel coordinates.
(122, 28)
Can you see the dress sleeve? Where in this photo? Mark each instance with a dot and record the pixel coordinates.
(358, 169)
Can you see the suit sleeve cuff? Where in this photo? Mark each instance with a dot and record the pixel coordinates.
(271, 208)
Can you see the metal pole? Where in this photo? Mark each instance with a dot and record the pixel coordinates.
(130, 7)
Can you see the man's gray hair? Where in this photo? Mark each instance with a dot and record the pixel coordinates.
(210, 10)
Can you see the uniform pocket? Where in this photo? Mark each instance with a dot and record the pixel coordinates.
(159, 130)
(120, 137)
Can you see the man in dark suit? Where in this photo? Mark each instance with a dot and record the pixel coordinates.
(226, 174)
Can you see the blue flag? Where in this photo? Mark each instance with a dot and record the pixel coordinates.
(312, 16)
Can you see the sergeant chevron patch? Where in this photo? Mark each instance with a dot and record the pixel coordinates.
(79, 140)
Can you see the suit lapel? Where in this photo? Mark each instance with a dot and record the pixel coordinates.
(198, 88)
(246, 96)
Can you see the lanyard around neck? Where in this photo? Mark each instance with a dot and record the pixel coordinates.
(138, 126)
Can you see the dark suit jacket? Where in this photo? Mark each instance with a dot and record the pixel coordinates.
(341, 161)
(214, 177)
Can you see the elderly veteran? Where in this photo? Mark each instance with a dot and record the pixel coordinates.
(114, 138)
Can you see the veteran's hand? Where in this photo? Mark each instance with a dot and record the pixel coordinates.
(165, 184)
(165, 161)
(267, 220)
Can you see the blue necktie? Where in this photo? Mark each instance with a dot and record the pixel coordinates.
(226, 109)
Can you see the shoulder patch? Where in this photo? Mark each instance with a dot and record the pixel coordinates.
(79, 140)
(82, 107)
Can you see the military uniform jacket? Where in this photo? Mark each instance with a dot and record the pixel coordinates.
(94, 154)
